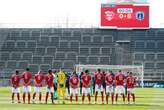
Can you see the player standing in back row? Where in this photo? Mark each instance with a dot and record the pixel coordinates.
(38, 84)
(109, 79)
(120, 81)
(15, 80)
(98, 85)
(27, 76)
(130, 81)
(49, 89)
(86, 78)
(74, 83)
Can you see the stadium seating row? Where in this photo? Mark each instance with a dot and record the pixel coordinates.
(55, 47)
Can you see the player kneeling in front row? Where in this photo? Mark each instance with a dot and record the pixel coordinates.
(27, 76)
(120, 80)
(38, 84)
(74, 83)
(49, 89)
(86, 78)
(15, 80)
(130, 81)
(98, 85)
(109, 79)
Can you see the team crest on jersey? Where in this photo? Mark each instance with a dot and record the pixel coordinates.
(140, 15)
(99, 76)
(109, 15)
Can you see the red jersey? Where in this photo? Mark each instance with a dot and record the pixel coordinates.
(15, 80)
(109, 79)
(130, 81)
(99, 78)
(74, 81)
(38, 79)
(120, 77)
(27, 75)
(49, 80)
(86, 80)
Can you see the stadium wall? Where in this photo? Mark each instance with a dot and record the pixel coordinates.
(47, 48)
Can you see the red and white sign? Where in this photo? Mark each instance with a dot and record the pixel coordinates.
(124, 16)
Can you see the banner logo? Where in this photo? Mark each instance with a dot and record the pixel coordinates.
(140, 15)
(109, 15)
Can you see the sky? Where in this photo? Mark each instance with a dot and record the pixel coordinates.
(63, 13)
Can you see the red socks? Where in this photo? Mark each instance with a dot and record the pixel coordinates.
(123, 96)
(133, 96)
(18, 96)
(76, 98)
(128, 97)
(83, 97)
(24, 96)
(107, 99)
(102, 96)
(96, 96)
(112, 97)
(116, 97)
(29, 97)
(71, 98)
(89, 98)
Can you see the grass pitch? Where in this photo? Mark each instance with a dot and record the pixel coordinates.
(146, 99)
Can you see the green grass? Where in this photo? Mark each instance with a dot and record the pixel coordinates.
(147, 99)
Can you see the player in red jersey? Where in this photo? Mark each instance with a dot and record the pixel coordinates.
(38, 84)
(15, 81)
(86, 78)
(74, 83)
(49, 82)
(130, 81)
(98, 85)
(27, 76)
(120, 81)
(109, 79)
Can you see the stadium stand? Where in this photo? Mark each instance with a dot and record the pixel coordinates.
(63, 47)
